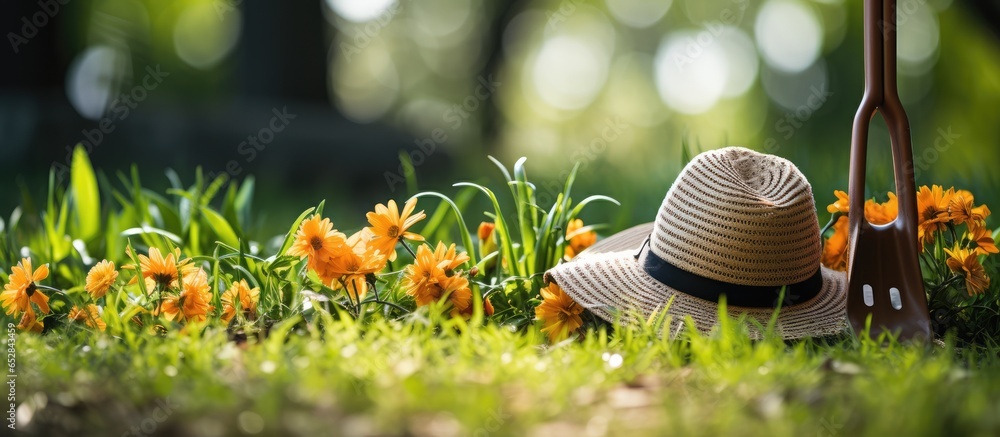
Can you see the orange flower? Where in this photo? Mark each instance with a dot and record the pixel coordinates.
(487, 309)
(932, 211)
(100, 278)
(966, 262)
(842, 205)
(578, 238)
(359, 259)
(422, 276)
(985, 244)
(192, 303)
(487, 244)
(560, 315)
(389, 226)
(882, 213)
(21, 291)
(835, 249)
(30, 323)
(961, 209)
(317, 240)
(91, 316)
(240, 298)
(433, 277)
(456, 290)
(162, 270)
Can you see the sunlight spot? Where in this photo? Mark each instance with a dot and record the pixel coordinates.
(568, 73)
(366, 84)
(93, 78)
(788, 34)
(918, 34)
(268, 367)
(359, 11)
(250, 422)
(202, 38)
(691, 74)
(638, 13)
(349, 351)
(614, 360)
(741, 57)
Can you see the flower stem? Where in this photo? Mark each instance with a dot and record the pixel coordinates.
(833, 219)
(408, 249)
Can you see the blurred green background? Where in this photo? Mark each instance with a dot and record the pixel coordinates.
(318, 98)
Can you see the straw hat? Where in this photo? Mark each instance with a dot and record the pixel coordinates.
(735, 223)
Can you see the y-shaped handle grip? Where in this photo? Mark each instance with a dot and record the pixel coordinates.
(884, 279)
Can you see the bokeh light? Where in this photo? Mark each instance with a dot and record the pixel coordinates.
(741, 58)
(788, 34)
(366, 85)
(568, 73)
(360, 11)
(203, 37)
(93, 79)
(791, 91)
(638, 13)
(917, 38)
(691, 74)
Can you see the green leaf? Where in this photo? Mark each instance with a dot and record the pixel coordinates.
(408, 171)
(244, 201)
(220, 226)
(290, 236)
(85, 194)
(502, 230)
(151, 230)
(462, 228)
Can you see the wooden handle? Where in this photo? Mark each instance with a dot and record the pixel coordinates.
(881, 95)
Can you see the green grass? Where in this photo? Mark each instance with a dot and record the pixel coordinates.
(420, 377)
(316, 363)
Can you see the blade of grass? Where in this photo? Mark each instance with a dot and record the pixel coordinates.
(463, 230)
(86, 196)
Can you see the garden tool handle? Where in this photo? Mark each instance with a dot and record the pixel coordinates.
(881, 96)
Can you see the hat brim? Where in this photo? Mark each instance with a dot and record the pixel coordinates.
(613, 285)
(629, 239)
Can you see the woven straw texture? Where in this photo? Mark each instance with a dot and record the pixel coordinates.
(733, 215)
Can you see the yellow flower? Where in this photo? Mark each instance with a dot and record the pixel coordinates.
(30, 323)
(961, 209)
(91, 316)
(162, 270)
(882, 213)
(560, 315)
(983, 239)
(240, 298)
(932, 211)
(842, 205)
(835, 249)
(578, 238)
(966, 262)
(192, 304)
(317, 240)
(21, 291)
(389, 226)
(100, 278)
